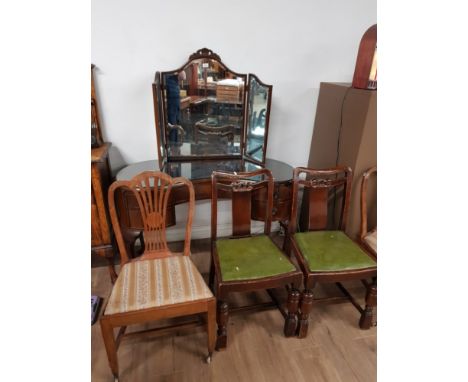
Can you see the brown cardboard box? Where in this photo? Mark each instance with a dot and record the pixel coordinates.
(345, 133)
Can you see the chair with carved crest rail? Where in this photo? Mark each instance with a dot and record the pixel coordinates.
(368, 238)
(324, 252)
(159, 284)
(245, 263)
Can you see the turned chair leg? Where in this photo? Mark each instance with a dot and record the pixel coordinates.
(222, 319)
(211, 328)
(367, 317)
(110, 345)
(290, 324)
(305, 307)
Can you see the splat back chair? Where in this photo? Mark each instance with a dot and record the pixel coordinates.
(159, 284)
(324, 252)
(367, 237)
(243, 262)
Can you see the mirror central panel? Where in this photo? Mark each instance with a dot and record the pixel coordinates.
(204, 109)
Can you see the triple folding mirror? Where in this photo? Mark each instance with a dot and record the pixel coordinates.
(204, 110)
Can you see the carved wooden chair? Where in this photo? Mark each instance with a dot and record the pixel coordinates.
(245, 263)
(324, 252)
(159, 284)
(368, 238)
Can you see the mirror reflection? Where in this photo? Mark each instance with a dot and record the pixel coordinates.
(256, 123)
(204, 109)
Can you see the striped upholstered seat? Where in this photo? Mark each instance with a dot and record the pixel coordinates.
(157, 282)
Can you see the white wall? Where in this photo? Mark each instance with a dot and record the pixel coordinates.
(293, 45)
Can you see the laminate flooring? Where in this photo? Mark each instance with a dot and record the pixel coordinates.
(334, 350)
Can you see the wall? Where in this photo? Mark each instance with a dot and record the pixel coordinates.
(293, 45)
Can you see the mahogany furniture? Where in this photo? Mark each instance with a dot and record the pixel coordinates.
(345, 132)
(101, 234)
(365, 72)
(219, 113)
(209, 118)
(199, 173)
(368, 236)
(243, 262)
(324, 252)
(159, 284)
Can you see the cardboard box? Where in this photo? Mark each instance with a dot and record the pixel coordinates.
(345, 133)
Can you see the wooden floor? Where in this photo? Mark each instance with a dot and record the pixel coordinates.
(335, 349)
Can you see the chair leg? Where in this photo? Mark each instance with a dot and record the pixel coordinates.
(211, 328)
(111, 347)
(367, 317)
(222, 319)
(305, 307)
(290, 324)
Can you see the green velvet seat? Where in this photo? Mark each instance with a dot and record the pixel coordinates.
(251, 258)
(331, 251)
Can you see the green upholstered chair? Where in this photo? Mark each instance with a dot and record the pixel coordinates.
(245, 263)
(323, 250)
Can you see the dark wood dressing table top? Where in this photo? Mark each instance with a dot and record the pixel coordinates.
(202, 169)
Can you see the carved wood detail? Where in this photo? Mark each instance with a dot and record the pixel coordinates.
(204, 53)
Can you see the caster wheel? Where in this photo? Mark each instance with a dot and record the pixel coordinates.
(208, 359)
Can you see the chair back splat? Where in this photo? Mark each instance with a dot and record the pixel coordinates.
(325, 199)
(152, 191)
(239, 187)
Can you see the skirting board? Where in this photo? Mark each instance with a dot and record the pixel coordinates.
(201, 227)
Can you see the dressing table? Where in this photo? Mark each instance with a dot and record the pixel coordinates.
(208, 118)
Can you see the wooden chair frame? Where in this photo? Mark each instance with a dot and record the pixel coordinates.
(153, 206)
(364, 230)
(239, 187)
(323, 181)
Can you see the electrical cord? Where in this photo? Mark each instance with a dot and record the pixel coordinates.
(338, 145)
(341, 127)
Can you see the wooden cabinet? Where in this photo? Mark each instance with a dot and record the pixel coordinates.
(101, 234)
